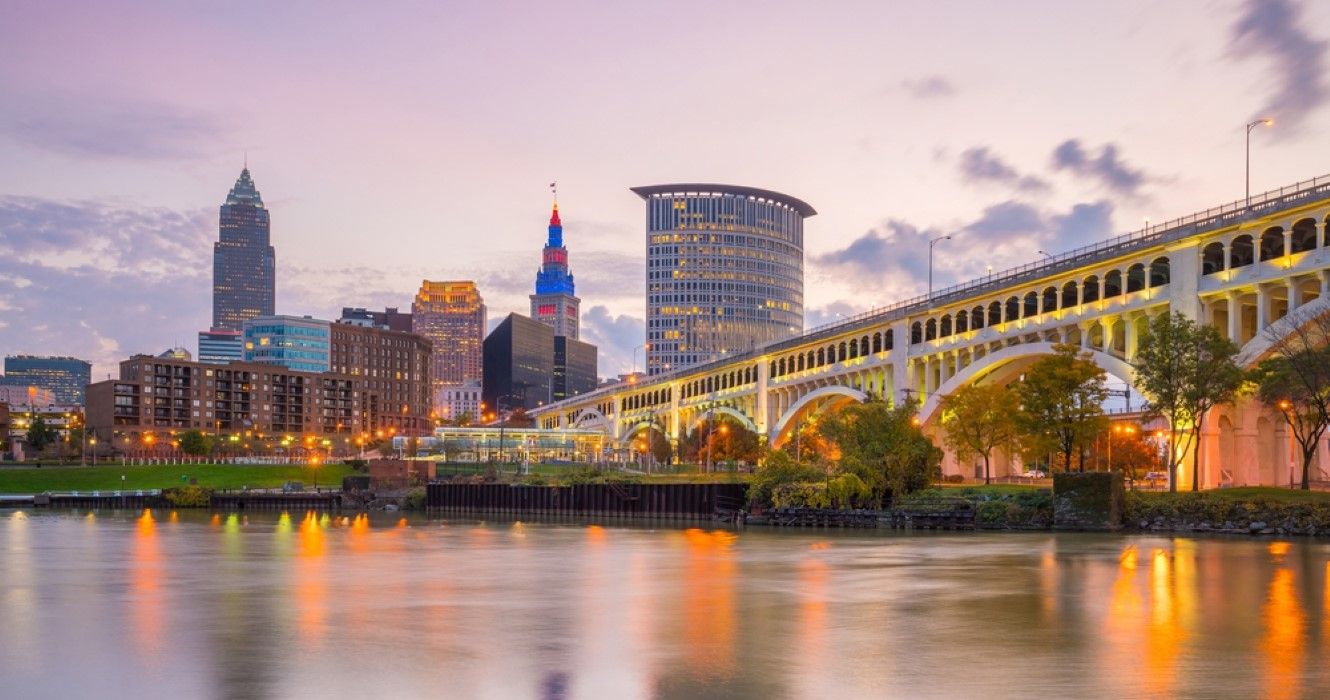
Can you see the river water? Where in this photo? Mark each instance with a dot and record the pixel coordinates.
(159, 604)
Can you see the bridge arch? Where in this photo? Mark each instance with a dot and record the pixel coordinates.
(592, 418)
(638, 427)
(734, 413)
(1015, 358)
(806, 403)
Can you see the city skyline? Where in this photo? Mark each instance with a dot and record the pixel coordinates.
(110, 224)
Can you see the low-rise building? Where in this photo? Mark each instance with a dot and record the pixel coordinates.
(452, 401)
(218, 346)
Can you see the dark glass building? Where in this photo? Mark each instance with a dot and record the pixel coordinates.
(519, 365)
(244, 277)
(574, 367)
(66, 377)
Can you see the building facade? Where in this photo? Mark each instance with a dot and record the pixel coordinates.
(555, 303)
(390, 318)
(393, 367)
(452, 401)
(244, 264)
(21, 397)
(295, 342)
(451, 315)
(219, 347)
(519, 364)
(574, 368)
(64, 377)
(725, 271)
(261, 402)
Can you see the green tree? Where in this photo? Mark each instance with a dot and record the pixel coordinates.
(195, 443)
(777, 470)
(1062, 404)
(40, 434)
(1185, 370)
(1295, 381)
(463, 419)
(883, 447)
(978, 419)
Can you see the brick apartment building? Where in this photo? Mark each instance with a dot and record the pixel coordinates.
(379, 383)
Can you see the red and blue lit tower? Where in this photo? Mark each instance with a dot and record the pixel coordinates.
(554, 302)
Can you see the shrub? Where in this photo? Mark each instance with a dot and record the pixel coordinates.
(801, 494)
(953, 479)
(359, 466)
(779, 469)
(415, 499)
(189, 497)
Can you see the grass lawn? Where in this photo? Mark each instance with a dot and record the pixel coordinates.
(218, 476)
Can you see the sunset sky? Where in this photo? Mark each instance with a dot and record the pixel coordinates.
(398, 141)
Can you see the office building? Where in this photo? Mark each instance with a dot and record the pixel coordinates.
(519, 364)
(219, 347)
(394, 368)
(244, 277)
(65, 377)
(554, 303)
(574, 367)
(725, 271)
(21, 397)
(452, 401)
(451, 315)
(390, 318)
(294, 342)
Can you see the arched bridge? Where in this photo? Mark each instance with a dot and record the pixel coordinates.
(1240, 267)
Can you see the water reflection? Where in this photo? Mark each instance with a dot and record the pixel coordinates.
(146, 596)
(308, 604)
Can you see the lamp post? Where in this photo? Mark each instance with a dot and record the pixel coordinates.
(1045, 254)
(932, 243)
(1252, 125)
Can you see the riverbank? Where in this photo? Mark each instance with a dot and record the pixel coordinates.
(1247, 510)
(28, 480)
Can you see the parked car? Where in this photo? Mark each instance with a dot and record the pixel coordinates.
(1035, 474)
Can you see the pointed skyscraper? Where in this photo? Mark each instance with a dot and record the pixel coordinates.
(554, 303)
(244, 277)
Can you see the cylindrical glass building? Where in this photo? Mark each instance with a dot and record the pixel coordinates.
(725, 271)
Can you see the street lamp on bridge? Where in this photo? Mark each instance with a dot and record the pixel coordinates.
(1252, 125)
(932, 243)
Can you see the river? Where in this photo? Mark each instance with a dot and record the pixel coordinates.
(160, 604)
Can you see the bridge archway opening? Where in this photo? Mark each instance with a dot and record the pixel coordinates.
(1007, 365)
(1272, 243)
(640, 427)
(814, 403)
(717, 411)
(1304, 235)
(1241, 252)
(1212, 258)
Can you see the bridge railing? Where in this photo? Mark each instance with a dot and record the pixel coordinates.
(1155, 234)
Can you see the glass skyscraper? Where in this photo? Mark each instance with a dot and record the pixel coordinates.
(725, 271)
(244, 278)
(65, 377)
(300, 343)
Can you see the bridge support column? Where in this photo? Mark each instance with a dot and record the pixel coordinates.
(1129, 336)
(1262, 307)
(900, 362)
(1234, 318)
(674, 412)
(1184, 276)
(1294, 294)
(762, 413)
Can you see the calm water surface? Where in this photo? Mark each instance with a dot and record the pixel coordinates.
(163, 605)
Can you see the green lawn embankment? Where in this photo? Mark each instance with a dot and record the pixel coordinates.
(213, 476)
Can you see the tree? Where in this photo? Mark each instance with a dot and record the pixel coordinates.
(40, 434)
(883, 447)
(463, 419)
(1062, 404)
(1295, 380)
(195, 443)
(1184, 370)
(977, 419)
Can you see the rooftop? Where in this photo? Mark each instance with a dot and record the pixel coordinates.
(705, 188)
